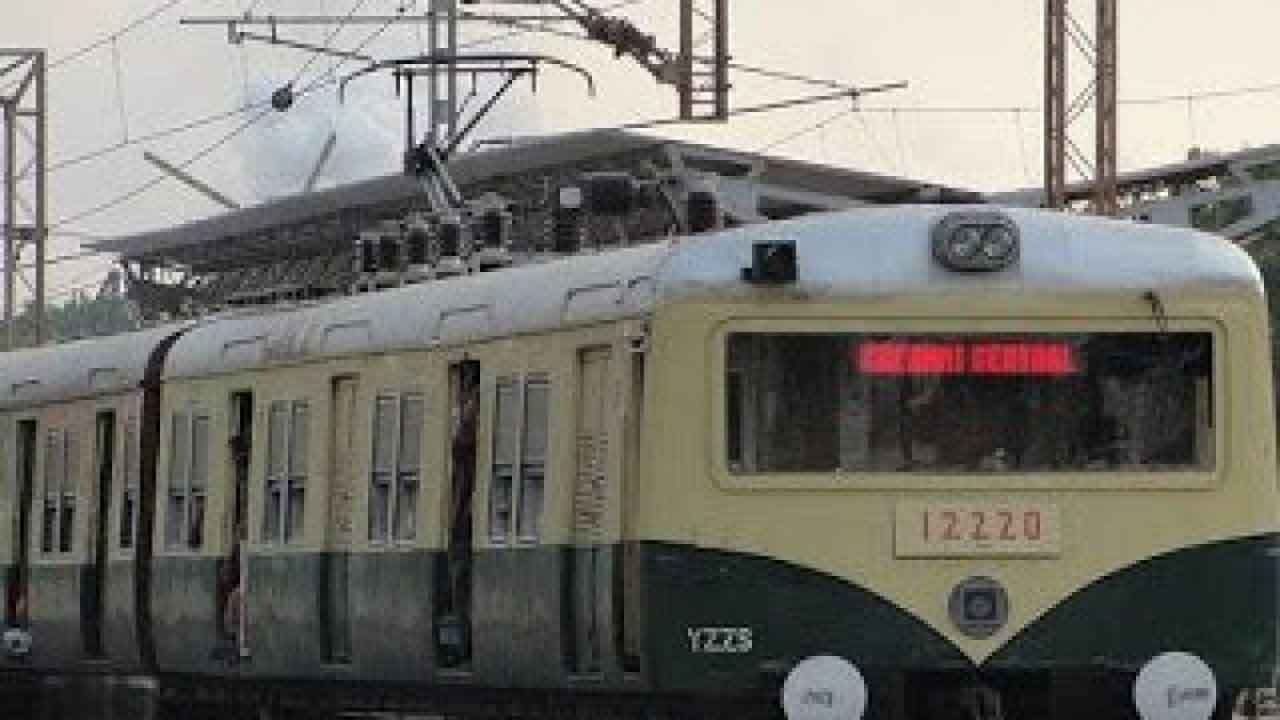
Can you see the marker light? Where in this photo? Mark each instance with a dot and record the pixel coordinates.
(982, 241)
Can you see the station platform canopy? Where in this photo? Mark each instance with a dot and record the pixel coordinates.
(306, 241)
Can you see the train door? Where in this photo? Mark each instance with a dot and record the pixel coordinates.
(93, 598)
(454, 582)
(233, 567)
(335, 609)
(16, 602)
(588, 565)
(628, 571)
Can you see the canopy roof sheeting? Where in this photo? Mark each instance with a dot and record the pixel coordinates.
(310, 225)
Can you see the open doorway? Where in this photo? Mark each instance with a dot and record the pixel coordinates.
(16, 600)
(232, 585)
(454, 582)
(93, 598)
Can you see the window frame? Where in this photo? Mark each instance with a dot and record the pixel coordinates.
(186, 533)
(400, 483)
(59, 494)
(726, 478)
(287, 481)
(516, 476)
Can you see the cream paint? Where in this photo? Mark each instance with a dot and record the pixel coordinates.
(846, 529)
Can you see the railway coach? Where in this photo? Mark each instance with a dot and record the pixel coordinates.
(915, 462)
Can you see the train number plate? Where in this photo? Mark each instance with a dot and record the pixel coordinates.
(946, 529)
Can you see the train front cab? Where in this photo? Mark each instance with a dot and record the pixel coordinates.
(988, 500)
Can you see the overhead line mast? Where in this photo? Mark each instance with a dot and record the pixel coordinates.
(1061, 32)
(23, 114)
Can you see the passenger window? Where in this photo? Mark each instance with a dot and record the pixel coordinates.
(295, 506)
(380, 481)
(57, 530)
(188, 481)
(533, 458)
(286, 482)
(409, 464)
(519, 459)
(396, 467)
(504, 460)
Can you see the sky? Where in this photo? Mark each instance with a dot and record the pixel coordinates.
(985, 56)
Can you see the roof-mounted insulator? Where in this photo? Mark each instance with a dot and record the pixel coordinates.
(611, 194)
(568, 221)
(366, 253)
(704, 212)
(493, 238)
(454, 245)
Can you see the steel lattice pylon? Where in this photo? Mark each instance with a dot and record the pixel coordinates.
(1062, 30)
(23, 127)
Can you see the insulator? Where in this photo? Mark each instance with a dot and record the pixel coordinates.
(704, 211)
(418, 240)
(495, 229)
(366, 254)
(388, 251)
(611, 194)
(567, 226)
(450, 238)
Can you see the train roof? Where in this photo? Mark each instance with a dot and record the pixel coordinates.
(864, 253)
(84, 368)
(867, 252)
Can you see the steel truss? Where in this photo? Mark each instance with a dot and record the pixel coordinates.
(23, 123)
(1062, 31)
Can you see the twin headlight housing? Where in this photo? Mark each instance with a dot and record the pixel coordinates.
(979, 241)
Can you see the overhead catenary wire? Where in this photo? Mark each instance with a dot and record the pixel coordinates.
(328, 42)
(73, 161)
(138, 22)
(895, 110)
(159, 178)
(807, 130)
(325, 79)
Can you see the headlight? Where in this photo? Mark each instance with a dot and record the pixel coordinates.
(976, 241)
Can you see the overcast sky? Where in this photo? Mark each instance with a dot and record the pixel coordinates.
(954, 53)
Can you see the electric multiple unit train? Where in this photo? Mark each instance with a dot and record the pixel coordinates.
(901, 463)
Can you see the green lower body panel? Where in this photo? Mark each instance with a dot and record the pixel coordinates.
(1218, 601)
(725, 622)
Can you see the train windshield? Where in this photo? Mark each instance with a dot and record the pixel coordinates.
(1103, 402)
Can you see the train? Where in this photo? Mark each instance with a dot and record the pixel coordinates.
(902, 463)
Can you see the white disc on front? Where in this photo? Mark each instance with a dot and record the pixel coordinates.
(1175, 686)
(824, 687)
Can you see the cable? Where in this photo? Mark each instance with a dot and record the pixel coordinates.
(875, 141)
(902, 148)
(327, 78)
(119, 73)
(156, 135)
(128, 28)
(1022, 147)
(790, 137)
(156, 180)
(328, 41)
